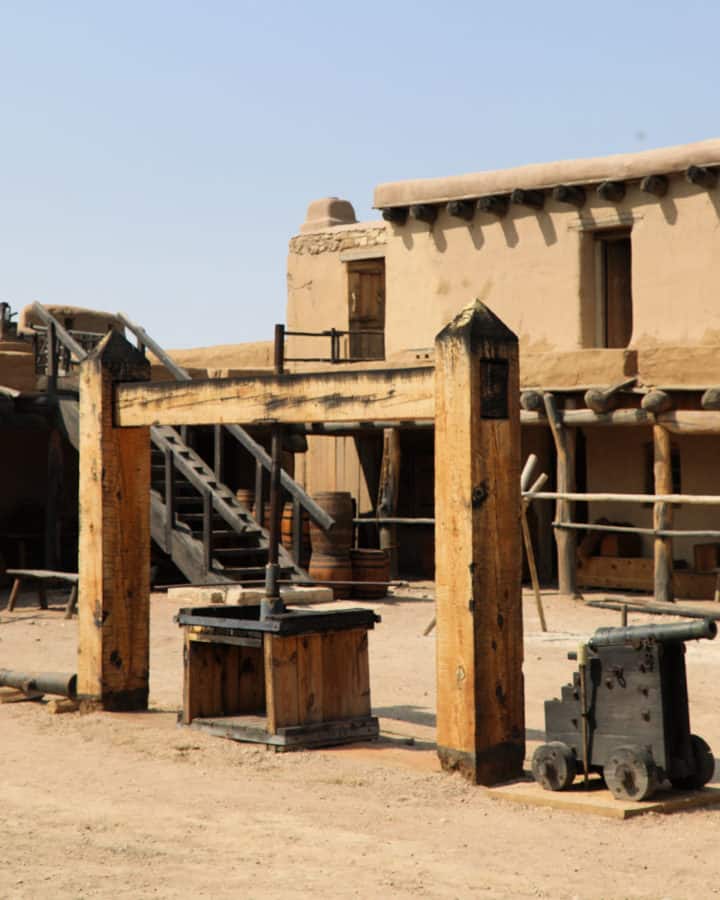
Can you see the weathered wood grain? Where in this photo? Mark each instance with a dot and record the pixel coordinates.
(114, 551)
(480, 714)
(348, 396)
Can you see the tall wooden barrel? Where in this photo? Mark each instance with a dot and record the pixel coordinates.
(338, 541)
(330, 560)
(332, 569)
(373, 566)
(286, 532)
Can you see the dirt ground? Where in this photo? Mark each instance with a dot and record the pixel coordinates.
(112, 805)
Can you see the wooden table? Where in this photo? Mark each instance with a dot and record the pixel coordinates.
(42, 579)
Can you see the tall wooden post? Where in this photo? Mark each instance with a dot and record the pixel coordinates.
(114, 565)
(565, 539)
(663, 514)
(480, 711)
(388, 494)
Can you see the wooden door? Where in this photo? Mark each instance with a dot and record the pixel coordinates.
(366, 308)
(617, 289)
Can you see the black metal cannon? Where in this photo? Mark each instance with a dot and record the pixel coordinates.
(626, 714)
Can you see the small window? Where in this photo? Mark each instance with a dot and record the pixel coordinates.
(613, 255)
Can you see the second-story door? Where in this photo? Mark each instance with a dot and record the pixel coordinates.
(366, 308)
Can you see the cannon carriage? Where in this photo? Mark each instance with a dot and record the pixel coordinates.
(626, 715)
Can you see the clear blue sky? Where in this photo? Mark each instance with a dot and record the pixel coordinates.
(157, 156)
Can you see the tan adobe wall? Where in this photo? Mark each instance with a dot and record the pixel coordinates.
(535, 269)
(317, 280)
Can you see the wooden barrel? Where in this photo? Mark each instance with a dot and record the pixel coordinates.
(332, 568)
(246, 496)
(370, 565)
(338, 541)
(286, 532)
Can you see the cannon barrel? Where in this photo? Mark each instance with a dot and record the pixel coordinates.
(681, 631)
(60, 683)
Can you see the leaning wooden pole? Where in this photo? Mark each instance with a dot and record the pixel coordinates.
(114, 564)
(480, 710)
(663, 515)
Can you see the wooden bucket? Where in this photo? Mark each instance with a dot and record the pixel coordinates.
(370, 565)
(332, 568)
(339, 540)
(286, 533)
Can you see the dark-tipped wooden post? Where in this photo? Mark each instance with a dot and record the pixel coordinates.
(480, 713)
(114, 565)
(663, 515)
(388, 495)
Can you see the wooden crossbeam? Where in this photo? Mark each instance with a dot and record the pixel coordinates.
(348, 396)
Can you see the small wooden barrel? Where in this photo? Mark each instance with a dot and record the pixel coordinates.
(332, 568)
(370, 565)
(339, 540)
(286, 532)
(246, 496)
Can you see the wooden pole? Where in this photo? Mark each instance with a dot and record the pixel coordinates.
(388, 495)
(662, 515)
(114, 565)
(480, 707)
(566, 541)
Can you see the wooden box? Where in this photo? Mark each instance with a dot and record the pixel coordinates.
(707, 557)
(301, 679)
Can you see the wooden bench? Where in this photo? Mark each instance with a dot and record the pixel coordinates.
(43, 578)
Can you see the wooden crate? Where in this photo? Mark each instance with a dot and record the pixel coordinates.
(288, 691)
(637, 574)
(707, 557)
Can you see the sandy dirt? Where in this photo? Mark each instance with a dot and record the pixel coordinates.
(110, 805)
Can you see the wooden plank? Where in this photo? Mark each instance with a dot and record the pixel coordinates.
(480, 706)
(600, 802)
(345, 674)
(662, 515)
(44, 574)
(281, 682)
(114, 551)
(348, 395)
(310, 678)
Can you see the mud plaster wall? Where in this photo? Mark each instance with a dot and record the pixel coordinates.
(534, 269)
(619, 466)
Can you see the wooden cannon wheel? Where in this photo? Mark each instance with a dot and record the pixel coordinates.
(554, 766)
(631, 773)
(704, 766)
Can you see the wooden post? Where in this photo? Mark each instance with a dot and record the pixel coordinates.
(114, 565)
(566, 540)
(388, 494)
(480, 711)
(663, 515)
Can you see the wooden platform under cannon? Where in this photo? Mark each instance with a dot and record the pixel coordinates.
(297, 680)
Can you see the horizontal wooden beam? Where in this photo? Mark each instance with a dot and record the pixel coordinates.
(349, 396)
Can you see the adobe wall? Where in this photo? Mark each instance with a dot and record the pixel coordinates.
(535, 269)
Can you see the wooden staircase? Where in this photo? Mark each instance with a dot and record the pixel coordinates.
(196, 520)
(209, 535)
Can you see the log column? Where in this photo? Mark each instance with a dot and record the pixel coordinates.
(114, 564)
(565, 539)
(480, 714)
(663, 515)
(388, 494)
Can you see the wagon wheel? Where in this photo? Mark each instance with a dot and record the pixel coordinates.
(554, 766)
(704, 763)
(631, 773)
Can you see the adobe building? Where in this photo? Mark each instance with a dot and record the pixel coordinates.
(607, 269)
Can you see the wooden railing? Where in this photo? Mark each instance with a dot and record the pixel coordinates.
(263, 463)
